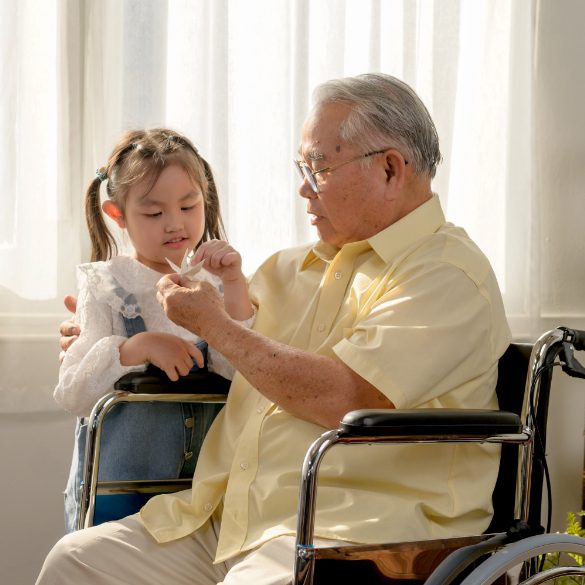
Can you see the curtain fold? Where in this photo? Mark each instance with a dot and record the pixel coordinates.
(237, 78)
(28, 148)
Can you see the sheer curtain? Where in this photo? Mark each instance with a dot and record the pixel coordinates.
(237, 77)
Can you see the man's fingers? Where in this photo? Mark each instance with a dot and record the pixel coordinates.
(174, 278)
(168, 281)
(70, 303)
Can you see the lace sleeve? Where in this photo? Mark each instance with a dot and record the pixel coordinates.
(92, 363)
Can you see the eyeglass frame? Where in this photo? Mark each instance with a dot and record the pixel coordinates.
(306, 172)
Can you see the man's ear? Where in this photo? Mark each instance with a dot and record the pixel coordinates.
(395, 167)
(113, 211)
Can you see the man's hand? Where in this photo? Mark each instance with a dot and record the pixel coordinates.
(68, 329)
(196, 306)
(168, 352)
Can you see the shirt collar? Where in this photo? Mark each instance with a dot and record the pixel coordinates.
(422, 221)
(426, 219)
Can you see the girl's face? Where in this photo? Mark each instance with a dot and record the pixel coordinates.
(164, 221)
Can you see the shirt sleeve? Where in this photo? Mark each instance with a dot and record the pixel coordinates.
(92, 364)
(431, 331)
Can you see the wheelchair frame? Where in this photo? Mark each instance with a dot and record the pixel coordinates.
(436, 426)
(150, 386)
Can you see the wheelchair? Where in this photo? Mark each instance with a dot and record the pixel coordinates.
(515, 548)
(101, 500)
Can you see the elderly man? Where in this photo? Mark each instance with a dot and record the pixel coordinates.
(392, 308)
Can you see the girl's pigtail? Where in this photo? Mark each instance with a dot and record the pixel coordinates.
(103, 244)
(214, 228)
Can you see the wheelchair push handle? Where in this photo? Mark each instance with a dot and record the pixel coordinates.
(573, 339)
(577, 338)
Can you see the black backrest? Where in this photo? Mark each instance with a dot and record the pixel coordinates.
(512, 372)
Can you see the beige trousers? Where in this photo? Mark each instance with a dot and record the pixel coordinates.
(124, 553)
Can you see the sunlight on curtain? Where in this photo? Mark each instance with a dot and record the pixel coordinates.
(237, 79)
(246, 104)
(489, 189)
(28, 148)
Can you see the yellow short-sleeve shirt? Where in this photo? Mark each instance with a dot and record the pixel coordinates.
(415, 310)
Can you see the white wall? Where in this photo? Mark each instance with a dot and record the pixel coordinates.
(35, 451)
(559, 183)
(36, 441)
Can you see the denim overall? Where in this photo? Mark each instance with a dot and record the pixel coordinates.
(143, 440)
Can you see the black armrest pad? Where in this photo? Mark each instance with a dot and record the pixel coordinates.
(429, 422)
(155, 381)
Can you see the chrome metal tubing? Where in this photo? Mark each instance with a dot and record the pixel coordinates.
(304, 557)
(94, 432)
(304, 560)
(541, 354)
(92, 453)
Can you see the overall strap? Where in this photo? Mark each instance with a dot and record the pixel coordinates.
(202, 345)
(135, 324)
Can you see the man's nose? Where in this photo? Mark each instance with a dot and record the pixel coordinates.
(305, 189)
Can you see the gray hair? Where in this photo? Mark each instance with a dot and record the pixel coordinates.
(386, 113)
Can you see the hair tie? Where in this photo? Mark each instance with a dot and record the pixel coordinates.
(181, 141)
(101, 174)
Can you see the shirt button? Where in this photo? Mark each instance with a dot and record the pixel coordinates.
(189, 422)
(321, 327)
(208, 507)
(260, 409)
(338, 275)
(244, 465)
(188, 455)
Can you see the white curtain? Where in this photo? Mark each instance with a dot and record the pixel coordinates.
(236, 77)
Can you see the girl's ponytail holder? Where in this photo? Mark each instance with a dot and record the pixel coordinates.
(101, 174)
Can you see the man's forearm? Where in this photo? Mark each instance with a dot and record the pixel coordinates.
(310, 386)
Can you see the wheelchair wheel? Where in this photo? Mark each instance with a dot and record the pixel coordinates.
(547, 558)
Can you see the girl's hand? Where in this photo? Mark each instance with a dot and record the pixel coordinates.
(220, 259)
(223, 261)
(168, 352)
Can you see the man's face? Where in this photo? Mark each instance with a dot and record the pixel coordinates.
(350, 202)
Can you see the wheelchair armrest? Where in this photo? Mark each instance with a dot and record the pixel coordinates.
(155, 381)
(429, 422)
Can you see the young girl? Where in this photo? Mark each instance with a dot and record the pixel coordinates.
(162, 192)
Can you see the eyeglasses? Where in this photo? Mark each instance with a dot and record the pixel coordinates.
(306, 172)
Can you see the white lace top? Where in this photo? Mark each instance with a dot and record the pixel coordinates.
(92, 363)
